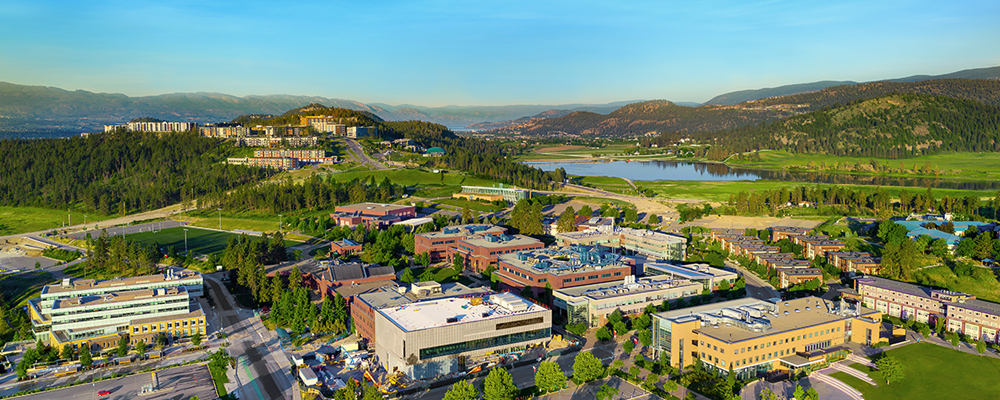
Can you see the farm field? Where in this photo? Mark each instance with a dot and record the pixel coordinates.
(14, 220)
(933, 372)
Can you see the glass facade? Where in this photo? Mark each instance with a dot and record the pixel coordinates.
(473, 345)
(577, 313)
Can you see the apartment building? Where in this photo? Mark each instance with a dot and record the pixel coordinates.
(753, 337)
(439, 244)
(361, 131)
(961, 312)
(855, 262)
(591, 304)
(160, 126)
(325, 124)
(562, 267)
(782, 232)
(224, 131)
(265, 141)
(315, 156)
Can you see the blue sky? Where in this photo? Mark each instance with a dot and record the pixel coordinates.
(486, 52)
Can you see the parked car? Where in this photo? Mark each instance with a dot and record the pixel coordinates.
(104, 393)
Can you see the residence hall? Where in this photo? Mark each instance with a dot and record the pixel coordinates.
(854, 262)
(326, 277)
(87, 311)
(434, 337)
(591, 304)
(439, 244)
(963, 312)
(372, 214)
(754, 337)
(481, 252)
(562, 267)
(367, 304)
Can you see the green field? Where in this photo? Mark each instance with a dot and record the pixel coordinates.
(15, 220)
(956, 165)
(720, 191)
(985, 288)
(18, 288)
(933, 372)
(199, 241)
(470, 204)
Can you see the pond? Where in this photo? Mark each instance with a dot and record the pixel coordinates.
(696, 171)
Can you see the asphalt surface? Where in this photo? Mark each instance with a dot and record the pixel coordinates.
(125, 230)
(756, 287)
(174, 384)
(359, 154)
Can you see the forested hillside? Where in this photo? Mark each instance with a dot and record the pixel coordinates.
(291, 117)
(894, 126)
(664, 116)
(118, 172)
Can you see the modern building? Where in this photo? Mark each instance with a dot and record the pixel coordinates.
(325, 278)
(591, 304)
(707, 276)
(79, 311)
(361, 131)
(283, 163)
(266, 141)
(563, 267)
(372, 214)
(754, 337)
(653, 244)
(366, 304)
(439, 244)
(325, 124)
(224, 131)
(479, 253)
(429, 337)
(275, 131)
(345, 247)
(160, 126)
(963, 312)
(511, 194)
(310, 156)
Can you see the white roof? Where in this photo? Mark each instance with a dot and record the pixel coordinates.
(457, 310)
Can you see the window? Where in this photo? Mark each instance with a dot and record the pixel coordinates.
(567, 280)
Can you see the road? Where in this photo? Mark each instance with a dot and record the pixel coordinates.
(180, 383)
(358, 153)
(262, 369)
(159, 213)
(756, 287)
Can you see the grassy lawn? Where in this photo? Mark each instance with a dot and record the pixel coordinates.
(987, 288)
(964, 165)
(220, 379)
(80, 270)
(933, 372)
(18, 288)
(199, 241)
(15, 220)
(441, 274)
(720, 191)
(472, 205)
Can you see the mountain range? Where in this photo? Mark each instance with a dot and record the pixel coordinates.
(47, 111)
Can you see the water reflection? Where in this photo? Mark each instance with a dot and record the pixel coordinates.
(694, 171)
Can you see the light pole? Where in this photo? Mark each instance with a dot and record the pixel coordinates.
(84, 221)
(220, 218)
(279, 223)
(185, 241)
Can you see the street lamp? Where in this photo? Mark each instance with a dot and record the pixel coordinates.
(220, 218)
(279, 223)
(84, 221)
(185, 241)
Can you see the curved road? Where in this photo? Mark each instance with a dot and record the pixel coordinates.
(358, 153)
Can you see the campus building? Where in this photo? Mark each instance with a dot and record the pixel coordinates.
(325, 124)
(309, 156)
(703, 274)
(653, 244)
(361, 131)
(591, 304)
(853, 262)
(372, 214)
(367, 304)
(345, 247)
(161, 126)
(962, 312)
(429, 337)
(782, 232)
(481, 252)
(326, 277)
(754, 337)
(511, 194)
(265, 141)
(282, 130)
(563, 267)
(439, 244)
(224, 131)
(81, 311)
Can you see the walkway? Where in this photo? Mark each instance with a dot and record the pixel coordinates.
(837, 366)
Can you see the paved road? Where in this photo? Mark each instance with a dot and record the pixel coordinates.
(262, 370)
(756, 287)
(127, 229)
(160, 213)
(359, 154)
(174, 383)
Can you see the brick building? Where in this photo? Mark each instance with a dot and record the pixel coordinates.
(372, 214)
(345, 247)
(439, 244)
(482, 252)
(562, 267)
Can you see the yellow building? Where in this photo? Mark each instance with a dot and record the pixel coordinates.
(173, 326)
(754, 337)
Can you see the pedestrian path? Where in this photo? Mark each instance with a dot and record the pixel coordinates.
(843, 387)
(861, 360)
(853, 372)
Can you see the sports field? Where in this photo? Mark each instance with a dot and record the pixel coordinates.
(933, 372)
(15, 220)
(199, 241)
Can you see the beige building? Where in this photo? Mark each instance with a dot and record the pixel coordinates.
(591, 304)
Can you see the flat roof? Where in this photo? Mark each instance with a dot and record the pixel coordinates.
(464, 230)
(89, 284)
(690, 271)
(609, 290)
(197, 313)
(374, 207)
(564, 260)
(389, 296)
(493, 242)
(457, 310)
(656, 236)
(109, 298)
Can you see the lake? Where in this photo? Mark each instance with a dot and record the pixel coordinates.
(695, 171)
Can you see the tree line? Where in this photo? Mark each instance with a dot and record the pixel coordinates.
(117, 172)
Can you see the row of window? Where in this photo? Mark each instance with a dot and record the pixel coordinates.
(168, 325)
(772, 343)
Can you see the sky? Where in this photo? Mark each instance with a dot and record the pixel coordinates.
(470, 52)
